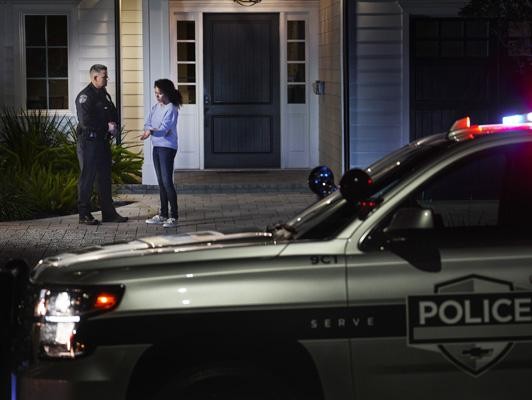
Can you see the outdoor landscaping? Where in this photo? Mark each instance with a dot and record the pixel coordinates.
(39, 166)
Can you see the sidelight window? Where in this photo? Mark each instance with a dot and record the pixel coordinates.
(186, 60)
(296, 62)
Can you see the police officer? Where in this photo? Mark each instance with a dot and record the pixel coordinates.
(97, 122)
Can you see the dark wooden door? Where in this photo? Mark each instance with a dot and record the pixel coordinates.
(241, 99)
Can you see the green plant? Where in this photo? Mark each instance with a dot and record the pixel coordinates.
(24, 135)
(50, 192)
(126, 164)
(39, 166)
(14, 203)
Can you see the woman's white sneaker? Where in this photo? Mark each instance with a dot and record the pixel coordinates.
(156, 220)
(170, 223)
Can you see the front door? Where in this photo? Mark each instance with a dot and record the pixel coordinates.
(241, 98)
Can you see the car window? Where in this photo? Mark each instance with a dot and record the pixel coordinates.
(481, 200)
(467, 195)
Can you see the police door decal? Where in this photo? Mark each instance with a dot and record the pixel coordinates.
(473, 321)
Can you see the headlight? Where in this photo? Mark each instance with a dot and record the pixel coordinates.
(59, 313)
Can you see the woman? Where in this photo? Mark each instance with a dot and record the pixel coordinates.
(161, 125)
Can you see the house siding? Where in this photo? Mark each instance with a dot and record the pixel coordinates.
(376, 86)
(96, 40)
(330, 71)
(7, 66)
(379, 73)
(132, 71)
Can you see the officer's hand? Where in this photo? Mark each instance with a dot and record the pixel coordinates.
(112, 128)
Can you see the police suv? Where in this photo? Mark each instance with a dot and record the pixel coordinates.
(413, 280)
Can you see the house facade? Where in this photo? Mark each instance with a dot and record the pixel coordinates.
(282, 84)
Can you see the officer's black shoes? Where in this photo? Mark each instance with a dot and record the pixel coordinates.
(88, 220)
(115, 218)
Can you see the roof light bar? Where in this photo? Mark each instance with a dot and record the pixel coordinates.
(463, 130)
(517, 119)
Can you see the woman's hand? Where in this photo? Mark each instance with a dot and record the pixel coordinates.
(145, 135)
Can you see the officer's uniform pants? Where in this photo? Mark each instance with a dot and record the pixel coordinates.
(94, 158)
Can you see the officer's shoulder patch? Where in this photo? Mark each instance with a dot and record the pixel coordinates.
(82, 98)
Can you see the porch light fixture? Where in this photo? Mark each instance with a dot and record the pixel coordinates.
(247, 3)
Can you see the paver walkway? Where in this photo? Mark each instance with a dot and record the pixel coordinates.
(35, 239)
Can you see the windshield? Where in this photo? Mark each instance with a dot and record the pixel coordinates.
(329, 216)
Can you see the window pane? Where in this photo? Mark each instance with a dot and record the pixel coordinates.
(36, 63)
(185, 30)
(452, 29)
(477, 48)
(188, 93)
(477, 29)
(58, 90)
(57, 63)
(34, 27)
(427, 29)
(296, 51)
(296, 94)
(186, 52)
(36, 94)
(452, 49)
(296, 30)
(57, 30)
(186, 73)
(426, 48)
(296, 72)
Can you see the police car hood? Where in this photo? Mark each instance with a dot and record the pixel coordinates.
(150, 250)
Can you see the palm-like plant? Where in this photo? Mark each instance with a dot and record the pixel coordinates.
(39, 165)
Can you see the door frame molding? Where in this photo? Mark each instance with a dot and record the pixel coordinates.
(308, 9)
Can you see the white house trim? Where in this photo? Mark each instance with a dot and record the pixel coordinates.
(156, 54)
(159, 54)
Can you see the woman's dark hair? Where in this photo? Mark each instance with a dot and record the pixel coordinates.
(166, 86)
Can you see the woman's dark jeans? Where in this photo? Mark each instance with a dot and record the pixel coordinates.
(163, 160)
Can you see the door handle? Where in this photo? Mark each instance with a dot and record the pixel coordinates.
(206, 99)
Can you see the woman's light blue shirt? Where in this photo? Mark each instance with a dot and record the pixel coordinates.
(163, 120)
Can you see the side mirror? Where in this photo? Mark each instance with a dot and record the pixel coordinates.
(411, 218)
(356, 185)
(406, 236)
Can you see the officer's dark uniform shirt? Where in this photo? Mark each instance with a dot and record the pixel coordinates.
(95, 110)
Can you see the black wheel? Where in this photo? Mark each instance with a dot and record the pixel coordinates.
(225, 382)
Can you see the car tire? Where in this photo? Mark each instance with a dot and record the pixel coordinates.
(227, 381)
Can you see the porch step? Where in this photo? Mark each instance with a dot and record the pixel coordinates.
(230, 181)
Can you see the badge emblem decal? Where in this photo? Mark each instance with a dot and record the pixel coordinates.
(82, 98)
(473, 321)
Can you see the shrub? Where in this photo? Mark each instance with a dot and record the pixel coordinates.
(14, 203)
(50, 192)
(39, 166)
(126, 164)
(26, 134)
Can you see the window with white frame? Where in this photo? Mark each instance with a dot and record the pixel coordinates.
(186, 60)
(296, 62)
(46, 50)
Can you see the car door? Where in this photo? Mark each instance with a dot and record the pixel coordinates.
(444, 308)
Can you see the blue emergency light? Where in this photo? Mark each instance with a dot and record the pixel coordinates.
(517, 119)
